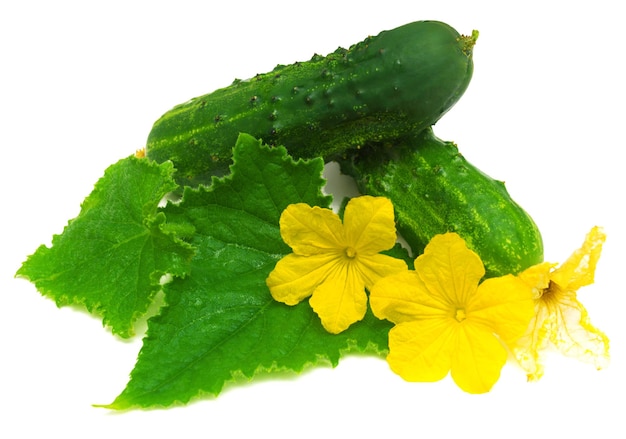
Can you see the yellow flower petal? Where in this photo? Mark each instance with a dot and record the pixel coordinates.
(340, 300)
(295, 277)
(311, 230)
(573, 334)
(560, 319)
(421, 350)
(404, 297)
(537, 277)
(335, 262)
(449, 269)
(446, 321)
(579, 269)
(528, 349)
(369, 224)
(375, 267)
(504, 304)
(477, 358)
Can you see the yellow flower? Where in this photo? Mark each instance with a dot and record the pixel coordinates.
(334, 262)
(560, 319)
(446, 321)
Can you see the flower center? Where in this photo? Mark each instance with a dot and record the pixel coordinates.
(551, 294)
(350, 252)
(460, 315)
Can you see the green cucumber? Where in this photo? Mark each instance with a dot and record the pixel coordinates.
(435, 190)
(400, 81)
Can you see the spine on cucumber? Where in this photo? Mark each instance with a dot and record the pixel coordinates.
(435, 190)
(400, 81)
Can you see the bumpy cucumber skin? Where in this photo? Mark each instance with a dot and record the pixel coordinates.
(400, 81)
(435, 190)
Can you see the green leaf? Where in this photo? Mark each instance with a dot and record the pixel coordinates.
(400, 252)
(221, 323)
(111, 257)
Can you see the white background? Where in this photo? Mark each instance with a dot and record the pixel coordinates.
(81, 84)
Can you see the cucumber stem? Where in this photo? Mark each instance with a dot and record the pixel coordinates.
(469, 42)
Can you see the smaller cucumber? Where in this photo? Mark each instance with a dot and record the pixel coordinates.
(435, 190)
(386, 86)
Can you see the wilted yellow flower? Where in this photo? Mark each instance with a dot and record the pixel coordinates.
(560, 319)
(334, 262)
(446, 321)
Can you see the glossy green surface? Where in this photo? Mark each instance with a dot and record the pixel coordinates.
(435, 190)
(402, 80)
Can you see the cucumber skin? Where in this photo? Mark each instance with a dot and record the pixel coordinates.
(435, 190)
(402, 80)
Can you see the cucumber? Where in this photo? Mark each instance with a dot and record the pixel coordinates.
(400, 81)
(434, 190)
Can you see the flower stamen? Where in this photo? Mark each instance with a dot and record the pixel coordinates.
(551, 295)
(350, 252)
(460, 315)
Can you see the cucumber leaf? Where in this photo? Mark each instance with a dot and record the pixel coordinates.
(110, 258)
(220, 323)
